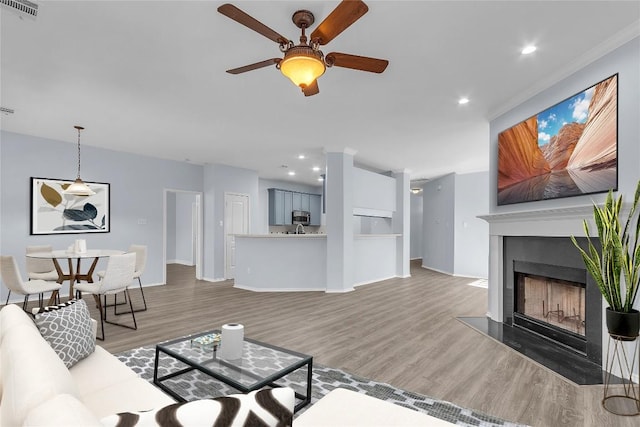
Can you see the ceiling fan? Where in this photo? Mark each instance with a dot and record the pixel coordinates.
(305, 62)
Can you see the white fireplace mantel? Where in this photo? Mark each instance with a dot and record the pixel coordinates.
(557, 222)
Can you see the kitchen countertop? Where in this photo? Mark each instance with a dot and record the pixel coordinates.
(282, 235)
(310, 235)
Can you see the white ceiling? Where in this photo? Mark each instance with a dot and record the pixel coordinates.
(149, 77)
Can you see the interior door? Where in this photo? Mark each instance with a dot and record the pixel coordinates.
(236, 221)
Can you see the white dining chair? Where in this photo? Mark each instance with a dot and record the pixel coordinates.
(141, 262)
(116, 279)
(41, 268)
(12, 280)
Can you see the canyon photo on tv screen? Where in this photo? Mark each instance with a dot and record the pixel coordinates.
(567, 150)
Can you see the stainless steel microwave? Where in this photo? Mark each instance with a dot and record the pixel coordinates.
(300, 217)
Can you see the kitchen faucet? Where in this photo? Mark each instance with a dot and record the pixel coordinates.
(301, 226)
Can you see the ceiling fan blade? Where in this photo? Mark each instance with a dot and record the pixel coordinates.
(345, 14)
(362, 63)
(312, 89)
(255, 66)
(230, 11)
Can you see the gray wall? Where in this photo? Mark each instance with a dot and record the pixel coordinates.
(438, 226)
(471, 241)
(454, 241)
(626, 62)
(171, 227)
(137, 192)
(218, 180)
(415, 241)
(184, 229)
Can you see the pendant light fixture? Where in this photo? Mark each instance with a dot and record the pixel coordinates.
(79, 188)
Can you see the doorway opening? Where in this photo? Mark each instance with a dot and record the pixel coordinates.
(182, 236)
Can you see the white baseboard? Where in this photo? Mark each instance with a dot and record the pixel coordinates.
(448, 273)
(250, 288)
(374, 281)
(209, 279)
(148, 285)
(344, 291)
(181, 262)
(468, 277)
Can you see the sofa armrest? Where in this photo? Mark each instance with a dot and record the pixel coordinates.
(349, 408)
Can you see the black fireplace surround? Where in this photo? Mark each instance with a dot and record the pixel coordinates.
(556, 258)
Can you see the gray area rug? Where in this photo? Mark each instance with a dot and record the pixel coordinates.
(195, 385)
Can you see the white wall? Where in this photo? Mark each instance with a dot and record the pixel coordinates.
(136, 214)
(454, 241)
(438, 227)
(218, 180)
(415, 241)
(471, 241)
(171, 227)
(184, 237)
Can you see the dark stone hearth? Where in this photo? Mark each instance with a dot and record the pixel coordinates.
(563, 361)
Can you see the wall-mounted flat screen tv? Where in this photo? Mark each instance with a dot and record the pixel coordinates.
(567, 150)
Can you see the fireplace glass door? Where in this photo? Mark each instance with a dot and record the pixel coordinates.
(555, 302)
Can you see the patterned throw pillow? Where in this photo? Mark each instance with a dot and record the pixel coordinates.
(268, 407)
(68, 330)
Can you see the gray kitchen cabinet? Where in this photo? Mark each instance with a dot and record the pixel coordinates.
(276, 207)
(304, 202)
(288, 207)
(297, 201)
(283, 202)
(315, 207)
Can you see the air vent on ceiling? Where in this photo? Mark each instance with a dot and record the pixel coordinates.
(22, 7)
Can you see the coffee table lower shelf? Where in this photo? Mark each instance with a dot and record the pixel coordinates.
(260, 382)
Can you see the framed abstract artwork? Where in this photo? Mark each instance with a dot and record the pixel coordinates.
(569, 149)
(54, 212)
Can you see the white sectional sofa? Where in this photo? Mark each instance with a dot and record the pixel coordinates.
(37, 389)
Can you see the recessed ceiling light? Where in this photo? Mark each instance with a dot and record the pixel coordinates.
(301, 156)
(529, 49)
(316, 168)
(463, 101)
(320, 179)
(291, 173)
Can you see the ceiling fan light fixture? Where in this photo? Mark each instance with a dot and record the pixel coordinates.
(302, 65)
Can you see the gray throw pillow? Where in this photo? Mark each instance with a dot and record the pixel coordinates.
(68, 330)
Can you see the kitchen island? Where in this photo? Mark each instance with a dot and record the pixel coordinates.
(298, 262)
(281, 262)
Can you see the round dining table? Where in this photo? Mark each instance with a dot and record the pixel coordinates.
(75, 276)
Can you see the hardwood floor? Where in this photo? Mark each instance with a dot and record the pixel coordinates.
(400, 331)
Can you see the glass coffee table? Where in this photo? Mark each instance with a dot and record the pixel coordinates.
(261, 365)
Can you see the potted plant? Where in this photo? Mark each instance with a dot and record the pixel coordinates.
(616, 266)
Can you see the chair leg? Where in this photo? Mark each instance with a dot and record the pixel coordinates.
(26, 301)
(102, 316)
(144, 301)
(8, 295)
(142, 292)
(133, 313)
(135, 325)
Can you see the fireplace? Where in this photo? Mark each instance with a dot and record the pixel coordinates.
(550, 300)
(547, 291)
